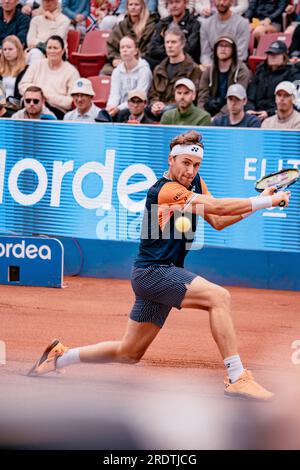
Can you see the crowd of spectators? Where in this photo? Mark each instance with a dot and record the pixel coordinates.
(177, 62)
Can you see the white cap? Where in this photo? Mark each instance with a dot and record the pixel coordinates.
(237, 90)
(84, 86)
(186, 82)
(288, 87)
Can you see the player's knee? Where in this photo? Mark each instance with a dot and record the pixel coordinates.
(221, 298)
(130, 357)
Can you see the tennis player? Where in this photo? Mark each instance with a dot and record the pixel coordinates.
(159, 279)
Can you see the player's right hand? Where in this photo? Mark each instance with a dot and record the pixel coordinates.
(284, 196)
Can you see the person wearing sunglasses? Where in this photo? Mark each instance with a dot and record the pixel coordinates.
(34, 105)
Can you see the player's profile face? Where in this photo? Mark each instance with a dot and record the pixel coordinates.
(183, 168)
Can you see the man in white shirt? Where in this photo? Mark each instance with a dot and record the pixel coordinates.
(82, 94)
(286, 117)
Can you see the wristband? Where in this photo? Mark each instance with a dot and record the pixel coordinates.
(260, 202)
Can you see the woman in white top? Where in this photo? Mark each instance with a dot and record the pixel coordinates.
(54, 75)
(132, 73)
(12, 67)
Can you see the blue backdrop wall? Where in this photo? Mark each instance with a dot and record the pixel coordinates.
(86, 184)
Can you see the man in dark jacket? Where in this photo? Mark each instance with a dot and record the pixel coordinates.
(269, 12)
(186, 21)
(136, 112)
(275, 69)
(225, 70)
(12, 21)
(177, 65)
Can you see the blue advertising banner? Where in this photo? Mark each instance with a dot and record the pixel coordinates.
(31, 261)
(90, 180)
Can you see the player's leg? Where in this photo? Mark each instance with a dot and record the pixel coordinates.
(216, 300)
(130, 349)
(203, 294)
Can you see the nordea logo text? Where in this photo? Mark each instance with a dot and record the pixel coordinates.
(21, 250)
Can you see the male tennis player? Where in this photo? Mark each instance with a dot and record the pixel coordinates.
(160, 281)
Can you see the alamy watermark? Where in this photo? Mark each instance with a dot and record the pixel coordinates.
(2, 353)
(295, 358)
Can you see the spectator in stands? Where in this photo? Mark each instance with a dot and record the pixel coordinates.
(54, 75)
(275, 69)
(294, 50)
(179, 14)
(4, 112)
(82, 94)
(268, 12)
(177, 64)
(77, 11)
(138, 24)
(136, 112)
(30, 7)
(118, 13)
(50, 21)
(225, 70)
(224, 23)
(286, 117)
(13, 21)
(203, 8)
(34, 106)
(293, 16)
(133, 72)
(12, 68)
(185, 113)
(236, 116)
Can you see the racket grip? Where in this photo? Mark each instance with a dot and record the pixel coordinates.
(282, 204)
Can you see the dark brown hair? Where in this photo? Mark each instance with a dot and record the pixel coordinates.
(187, 138)
(34, 89)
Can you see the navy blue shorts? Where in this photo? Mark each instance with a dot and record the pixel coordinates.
(157, 289)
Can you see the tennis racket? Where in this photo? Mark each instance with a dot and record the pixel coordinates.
(280, 180)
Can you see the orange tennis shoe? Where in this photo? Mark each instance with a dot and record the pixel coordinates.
(246, 387)
(47, 362)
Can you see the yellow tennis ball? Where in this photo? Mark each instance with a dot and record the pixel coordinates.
(183, 224)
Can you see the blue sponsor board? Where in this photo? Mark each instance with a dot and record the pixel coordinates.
(31, 261)
(89, 181)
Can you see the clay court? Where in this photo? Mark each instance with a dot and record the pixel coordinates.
(180, 377)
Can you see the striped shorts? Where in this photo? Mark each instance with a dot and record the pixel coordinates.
(157, 289)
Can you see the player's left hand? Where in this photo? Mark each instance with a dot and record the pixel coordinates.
(268, 191)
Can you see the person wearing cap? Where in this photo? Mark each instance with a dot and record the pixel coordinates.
(236, 116)
(225, 70)
(224, 23)
(34, 105)
(178, 64)
(159, 279)
(185, 113)
(286, 117)
(179, 14)
(82, 94)
(268, 12)
(275, 69)
(136, 112)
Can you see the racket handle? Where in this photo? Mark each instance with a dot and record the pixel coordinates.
(282, 204)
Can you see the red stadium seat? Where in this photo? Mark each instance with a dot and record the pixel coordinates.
(73, 40)
(92, 55)
(101, 86)
(264, 43)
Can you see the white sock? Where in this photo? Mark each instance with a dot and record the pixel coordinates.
(234, 367)
(68, 358)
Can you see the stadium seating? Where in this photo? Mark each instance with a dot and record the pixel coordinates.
(101, 86)
(92, 55)
(73, 40)
(263, 45)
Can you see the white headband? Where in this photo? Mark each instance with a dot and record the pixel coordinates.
(194, 150)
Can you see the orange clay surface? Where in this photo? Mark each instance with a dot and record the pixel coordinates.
(91, 310)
